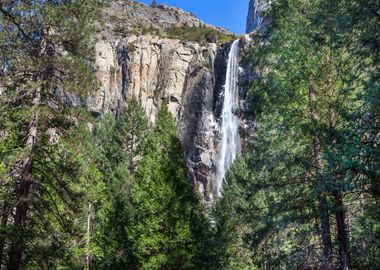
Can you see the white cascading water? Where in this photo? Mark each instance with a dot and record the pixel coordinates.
(229, 125)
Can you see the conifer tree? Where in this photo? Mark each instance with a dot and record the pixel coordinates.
(312, 105)
(120, 144)
(46, 52)
(161, 231)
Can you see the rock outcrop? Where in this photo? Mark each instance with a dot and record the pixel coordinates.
(255, 15)
(188, 75)
(127, 17)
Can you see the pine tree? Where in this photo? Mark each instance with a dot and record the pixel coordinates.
(307, 104)
(163, 201)
(120, 144)
(34, 69)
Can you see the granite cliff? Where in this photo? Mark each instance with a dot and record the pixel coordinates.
(256, 14)
(141, 55)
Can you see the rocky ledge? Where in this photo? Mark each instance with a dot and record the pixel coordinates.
(127, 17)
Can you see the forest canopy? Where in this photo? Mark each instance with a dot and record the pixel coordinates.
(113, 192)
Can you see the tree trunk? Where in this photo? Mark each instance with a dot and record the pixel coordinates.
(88, 253)
(341, 229)
(325, 228)
(26, 180)
(3, 225)
(322, 201)
(338, 189)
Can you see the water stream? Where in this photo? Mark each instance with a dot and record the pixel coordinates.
(229, 124)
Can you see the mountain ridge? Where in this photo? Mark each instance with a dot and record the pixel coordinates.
(126, 17)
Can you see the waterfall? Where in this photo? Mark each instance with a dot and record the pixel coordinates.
(229, 121)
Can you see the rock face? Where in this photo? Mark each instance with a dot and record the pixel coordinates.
(149, 69)
(134, 16)
(127, 17)
(188, 75)
(255, 14)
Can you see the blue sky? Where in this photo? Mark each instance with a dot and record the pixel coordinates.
(229, 14)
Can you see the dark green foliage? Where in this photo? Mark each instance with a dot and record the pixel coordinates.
(119, 144)
(231, 248)
(316, 104)
(199, 34)
(161, 231)
(45, 49)
(76, 193)
(150, 217)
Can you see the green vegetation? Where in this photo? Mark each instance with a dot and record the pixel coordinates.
(306, 195)
(113, 193)
(148, 217)
(200, 34)
(39, 177)
(124, 24)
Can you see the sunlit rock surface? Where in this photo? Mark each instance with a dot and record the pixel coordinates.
(188, 75)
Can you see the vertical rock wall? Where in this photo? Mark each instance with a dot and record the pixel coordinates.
(255, 15)
(188, 75)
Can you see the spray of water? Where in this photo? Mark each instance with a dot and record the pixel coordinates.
(229, 125)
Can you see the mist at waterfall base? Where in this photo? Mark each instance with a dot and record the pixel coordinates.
(229, 121)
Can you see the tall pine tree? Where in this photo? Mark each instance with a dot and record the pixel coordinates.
(46, 52)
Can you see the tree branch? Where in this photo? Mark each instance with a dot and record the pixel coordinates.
(13, 20)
